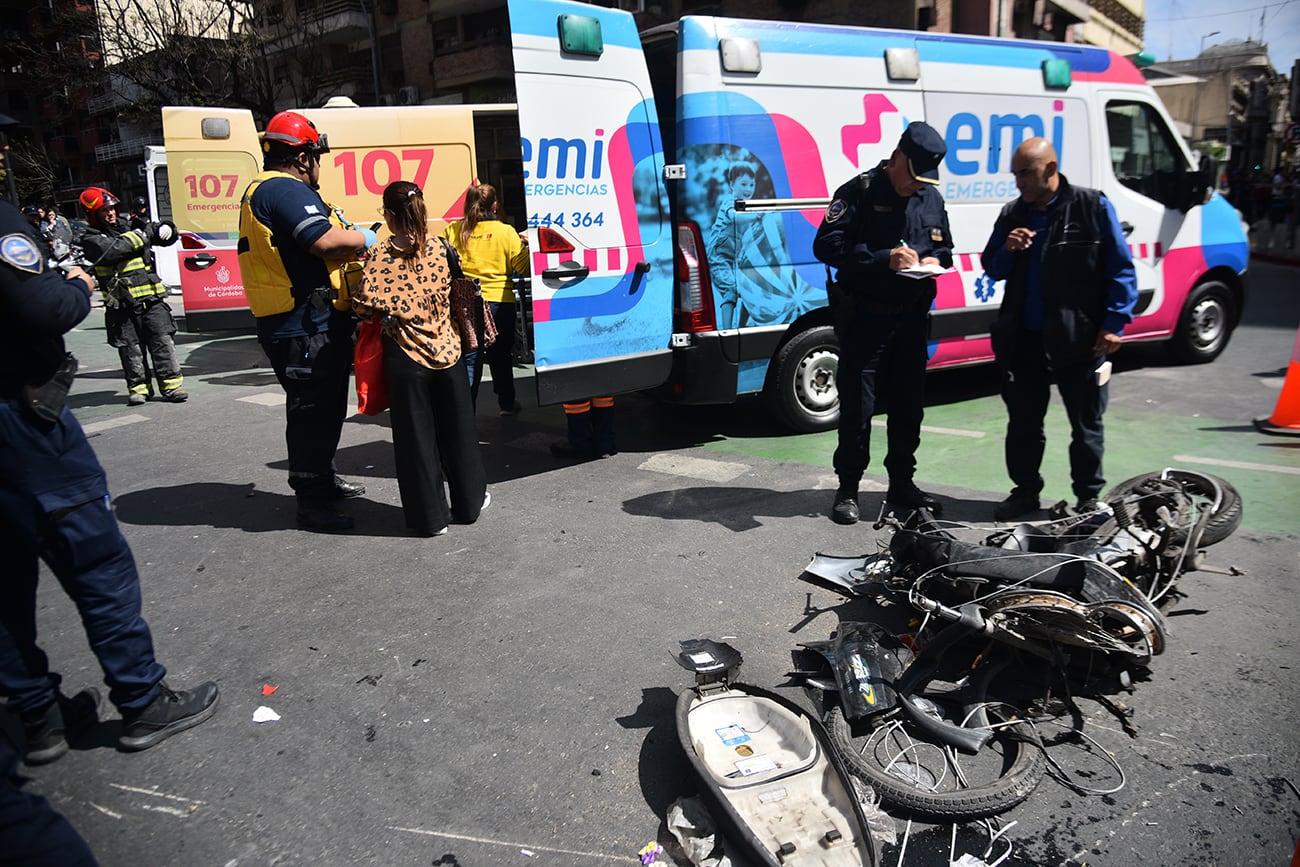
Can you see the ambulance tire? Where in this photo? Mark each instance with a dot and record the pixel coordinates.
(801, 389)
(1205, 325)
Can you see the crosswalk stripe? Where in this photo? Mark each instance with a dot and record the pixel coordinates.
(266, 398)
(694, 468)
(1237, 465)
(110, 423)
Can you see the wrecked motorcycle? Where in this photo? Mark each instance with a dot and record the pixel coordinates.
(767, 768)
(1079, 593)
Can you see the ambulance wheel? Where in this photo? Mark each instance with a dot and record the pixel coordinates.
(1205, 325)
(803, 389)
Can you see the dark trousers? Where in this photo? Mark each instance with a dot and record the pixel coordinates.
(54, 507)
(882, 366)
(435, 441)
(149, 326)
(499, 357)
(1026, 391)
(32, 834)
(313, 370)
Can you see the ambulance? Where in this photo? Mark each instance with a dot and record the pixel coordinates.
(672, 182)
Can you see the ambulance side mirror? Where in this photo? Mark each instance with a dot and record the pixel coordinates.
(1198, 183)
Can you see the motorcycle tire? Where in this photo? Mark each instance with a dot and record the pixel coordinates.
(902, 764)
(1221, 524)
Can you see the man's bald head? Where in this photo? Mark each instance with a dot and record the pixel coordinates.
(1034, 165)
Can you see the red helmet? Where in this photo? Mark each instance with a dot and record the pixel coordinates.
(94, 198)
(292, 131)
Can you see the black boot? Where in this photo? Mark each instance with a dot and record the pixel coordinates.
(907, 495)
(170, 712)
(44, 730)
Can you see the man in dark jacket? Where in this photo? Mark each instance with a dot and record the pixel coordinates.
(137, 316)
(54, 506)
(880, 225)
(1070, 291)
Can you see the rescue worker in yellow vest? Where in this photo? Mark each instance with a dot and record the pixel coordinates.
(293, 251)
(136, 312)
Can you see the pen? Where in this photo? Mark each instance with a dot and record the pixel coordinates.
(902, 243)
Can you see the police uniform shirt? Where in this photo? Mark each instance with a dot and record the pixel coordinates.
(40, 304)
(297, 217)
(866, 220)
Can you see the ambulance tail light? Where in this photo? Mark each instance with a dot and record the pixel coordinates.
(551, 241)
(191, 241)
(694, 292)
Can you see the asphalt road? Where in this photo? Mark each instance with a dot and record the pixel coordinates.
(503, 695)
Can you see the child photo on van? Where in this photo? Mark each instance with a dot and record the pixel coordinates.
(728, 235)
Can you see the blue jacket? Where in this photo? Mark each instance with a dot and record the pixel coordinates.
(1086, 278)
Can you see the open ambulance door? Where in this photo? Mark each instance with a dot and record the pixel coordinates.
(598, 215)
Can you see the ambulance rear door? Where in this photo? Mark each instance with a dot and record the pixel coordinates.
(598, 214)
(212, 155)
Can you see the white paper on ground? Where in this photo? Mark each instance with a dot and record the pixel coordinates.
(265, 714)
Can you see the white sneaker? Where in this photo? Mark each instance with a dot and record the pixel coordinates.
(487, 500)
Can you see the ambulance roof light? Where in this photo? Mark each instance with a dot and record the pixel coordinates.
(215, 127)
(1056, 73)
(1142, 59)
(740, 55)
(580, 34)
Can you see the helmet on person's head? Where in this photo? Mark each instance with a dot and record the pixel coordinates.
(31, 211)
(139, 202)
(95, 198)
(289, 132)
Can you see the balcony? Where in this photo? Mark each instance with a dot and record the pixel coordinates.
(477, 63)
(105, 103)
(334, 22)
(130, 149)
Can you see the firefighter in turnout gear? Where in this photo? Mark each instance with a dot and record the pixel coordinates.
(136, 312)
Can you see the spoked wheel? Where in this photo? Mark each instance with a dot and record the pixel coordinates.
(909, 770)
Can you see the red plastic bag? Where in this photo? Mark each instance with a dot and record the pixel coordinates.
(368, 363)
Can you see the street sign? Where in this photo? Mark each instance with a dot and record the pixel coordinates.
(1293, 134)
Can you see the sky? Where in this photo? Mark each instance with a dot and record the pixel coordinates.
(1174, 27)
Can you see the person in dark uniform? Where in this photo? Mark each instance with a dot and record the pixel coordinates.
(32, 833)
(139, 212)
(292, 246)
(883, 222)
(54, 506)
(137, 316)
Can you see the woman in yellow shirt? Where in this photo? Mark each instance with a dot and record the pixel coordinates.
(493, 252)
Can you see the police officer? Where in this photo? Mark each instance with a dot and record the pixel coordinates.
(292, 248)
(139, 212)
(136, 316)
(54, 507)
(881, 223)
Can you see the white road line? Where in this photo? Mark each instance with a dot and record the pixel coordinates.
(155, 794)
(105, 810)
(694, 468)
(110, 423)
(1237, 465)
(623, 859)
(266, 398)
(171, 811)
(949, 431)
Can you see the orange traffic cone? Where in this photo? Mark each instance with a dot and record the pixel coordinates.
(1286, 415)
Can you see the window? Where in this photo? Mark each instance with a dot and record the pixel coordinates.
(1143, 153)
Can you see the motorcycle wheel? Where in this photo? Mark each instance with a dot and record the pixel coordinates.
(1221, 524)
(910, 771)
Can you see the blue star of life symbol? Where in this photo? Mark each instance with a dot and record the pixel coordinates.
(984, 287)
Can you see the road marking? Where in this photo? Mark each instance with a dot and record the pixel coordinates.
(155, 794)
(949, 431)
(623, 858)
(694, 468)
(105, 810)
(1237, 465)
(266, 398)
(110, 423)
(171, 811)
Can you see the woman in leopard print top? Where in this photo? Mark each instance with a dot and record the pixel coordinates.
(407, 283)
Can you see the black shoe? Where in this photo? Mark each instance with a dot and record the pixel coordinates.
(845, 510)
(568, 452)
(44, 730)
(176, 395)
(345, 490)
(320, 516)
(908, 496)
(169, 713)
(1020, 502)
(1088, 505)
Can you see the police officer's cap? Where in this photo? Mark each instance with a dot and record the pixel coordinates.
(924, 149)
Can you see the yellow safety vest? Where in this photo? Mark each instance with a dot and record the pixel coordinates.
(135, 276)
(266, 282)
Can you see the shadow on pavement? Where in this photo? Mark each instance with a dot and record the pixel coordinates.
(242, 507)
